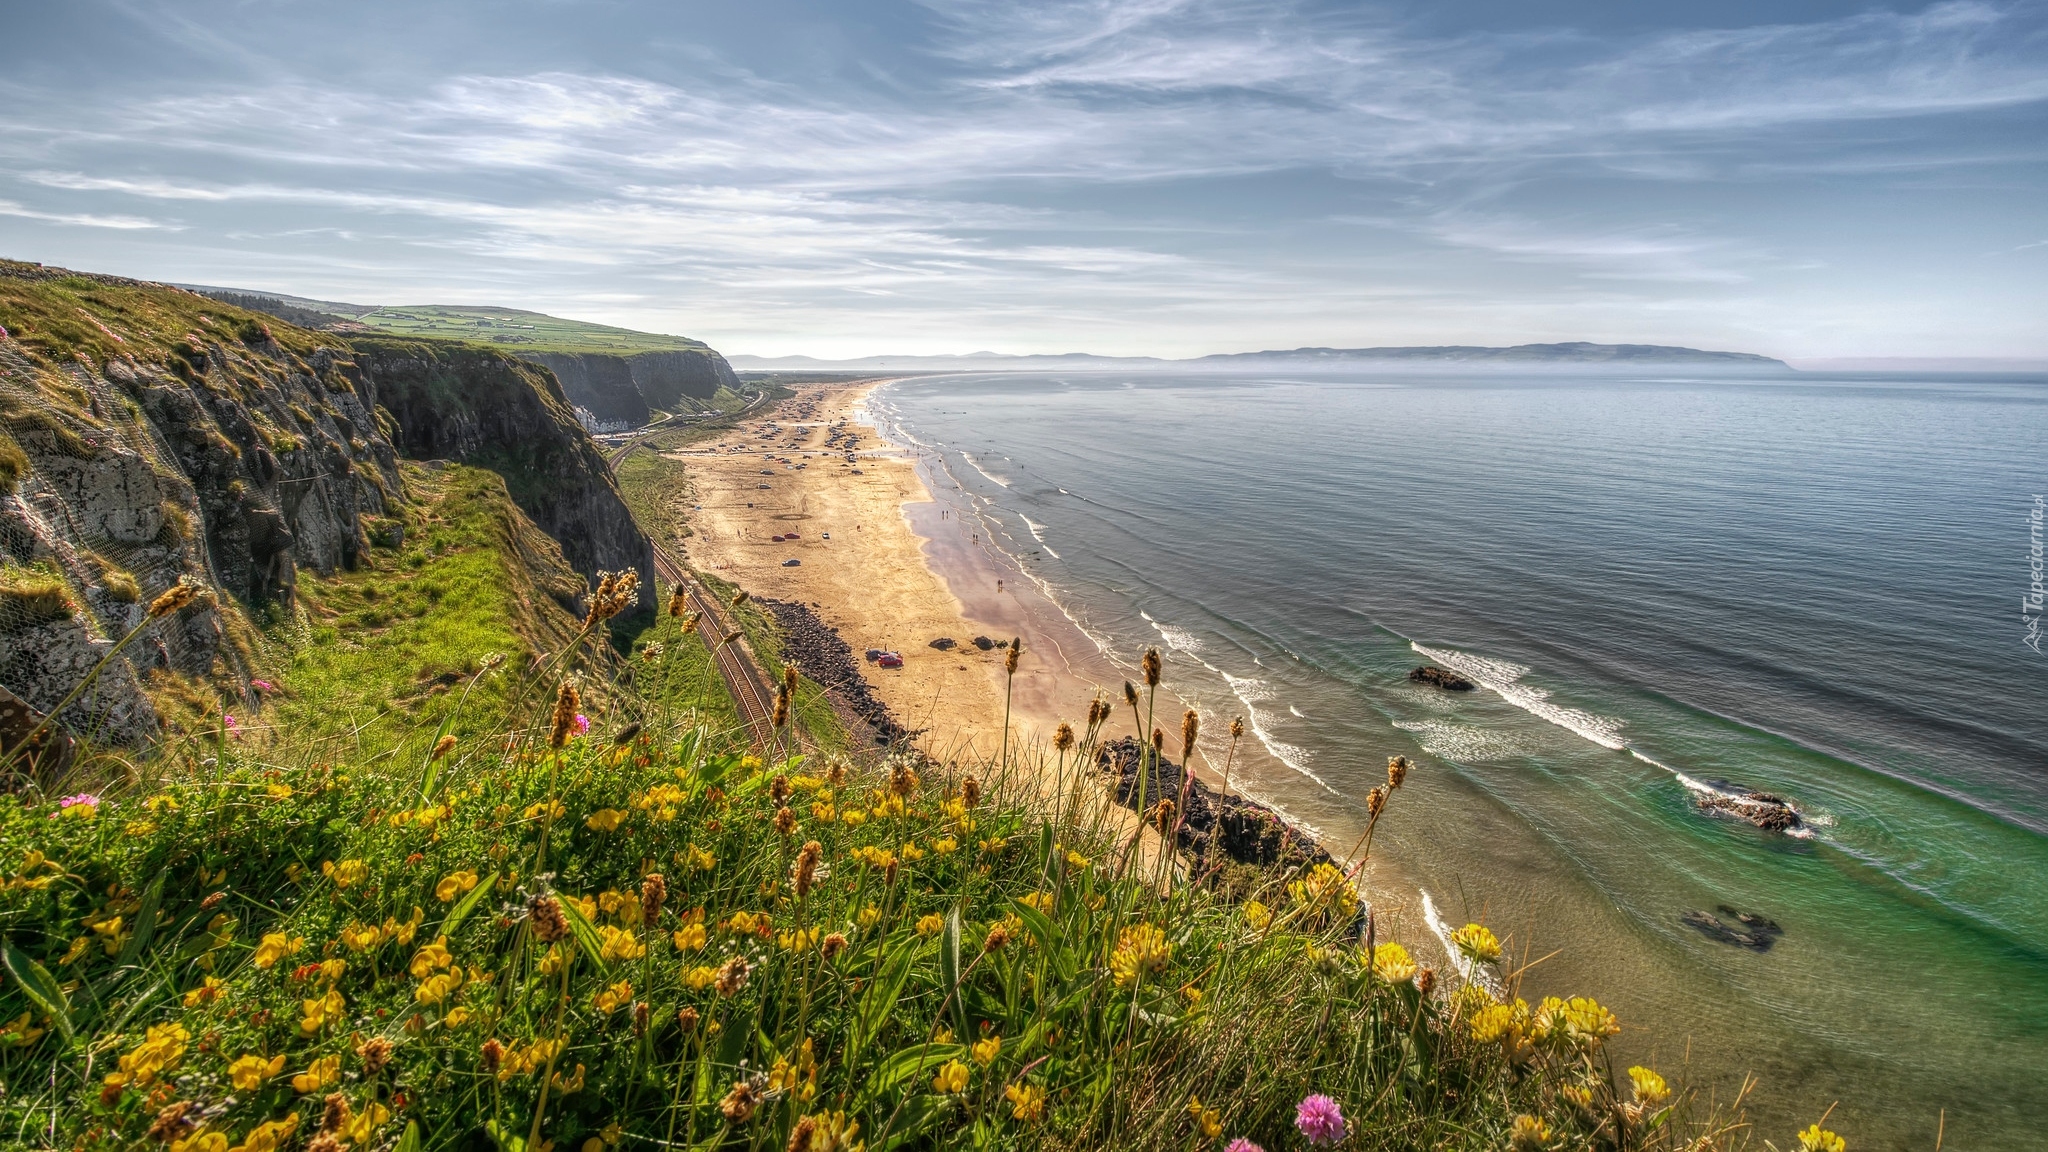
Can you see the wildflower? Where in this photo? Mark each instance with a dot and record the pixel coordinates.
(1319, 1120)
(1208, 1121)
(276, 946)
(930, 925)
(1242, 1145)
(689, 938)
(345, 874)
(1140, 950)
(249, 1072)
(619, 944)
(541, 809)
(700, 978)
(269, 1136)
(739, 1104)
(1326, 888)
(453, 885)
(431, 959)
(733, 976)
(203, 1142)
(1477, 943)
(1257, 915)
(207, 992)
(617, 996)
(700, 860)
(321, 1011)
(986, 1051)
(1076, 861)
(653, 894)
(1529, 1132)
(605, 820)
(797, 1076)
(1042, 901)
(869, 916)
(1819, 1139)
(374, 1053)
(1649, 1087)
(952, 1078)
(1027, 1102)
(1391, 962)
(437, 989)
(492, 1054)
(361, 937)
(801, 940)
(544, 912)
(366, 1122)
(566, 701)
(1499, 1021)
(19, 1033)
(162, 1047)
(1580, 1020)
(318, 1075)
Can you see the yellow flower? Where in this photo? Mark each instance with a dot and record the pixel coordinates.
(1391, 962)
(269, 1136)
(345, 874)
(1499, 1021)
(701, 861)
(437, 989)
(952, 1078)
(1650, 1087)
(1075, 860)
(1257, 915)
(322, 1011)
(1529, 1132)
(605, 820)
(1208, 1121)
(1140, 950)
(802, 940)
(742, 923)
(453, 885)
(365, 1122)
(1581, 1020)
(1819, 1139)
(162, 1047)
(912, 852)
(689, 938)
(201, 1142)
(853, 818)
(1477, 942)
(946, 846)
(20, 1033)
(249, 1072)
(870, 916)
(279, 791)
(619, 944)
(318, 1076)
(539, 809)
(431, 959)
(1325, 889)
(615, 997)
(456, 1018)
(700, 978)
(986, 1051)
(331, 970)
(361, 937)
(798, 1076)
(206, 993)
(276, 946)
(822, 812)
(930, 925)
(1027, 1102)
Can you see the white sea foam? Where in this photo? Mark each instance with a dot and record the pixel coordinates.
(1701, 788)
(1038, 534)
(1463, 742)
(1251, 691)
(976, 465)
(1297, 711)
(1504, 680)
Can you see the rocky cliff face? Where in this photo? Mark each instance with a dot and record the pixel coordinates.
(483, 408)
(161, 437)
(624, 388)
(149, 435)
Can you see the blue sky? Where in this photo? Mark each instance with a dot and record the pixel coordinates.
(1168, 177)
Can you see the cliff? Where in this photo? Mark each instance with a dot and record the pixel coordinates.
(626, 387)
(158, 436)
(150, 435)
(483, 408)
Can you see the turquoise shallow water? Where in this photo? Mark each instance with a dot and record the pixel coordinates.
(1665, 584)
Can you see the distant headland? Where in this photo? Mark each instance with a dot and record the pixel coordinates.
(1576, 352)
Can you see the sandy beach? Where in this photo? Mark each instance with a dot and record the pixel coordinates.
(889, 567)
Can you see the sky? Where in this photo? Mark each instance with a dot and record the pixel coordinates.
(1140, 177)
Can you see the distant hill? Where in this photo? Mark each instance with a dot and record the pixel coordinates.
(513, 329)
(1578, 352)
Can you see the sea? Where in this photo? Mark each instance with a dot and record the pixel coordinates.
(1666, 585)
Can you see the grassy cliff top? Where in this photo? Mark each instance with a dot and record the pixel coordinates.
(519, 331)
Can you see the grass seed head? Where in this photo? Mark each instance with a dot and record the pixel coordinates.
(1190, 727)
(1010, 661)
(1397, 770)
(970, 791)
(567, 700)
(544, 912)
(1130, 694)
(653, 894)
(1237, 728)
(177, 596)
(442, 747)
(1063, 736)
(678, 603)
(1152, 667)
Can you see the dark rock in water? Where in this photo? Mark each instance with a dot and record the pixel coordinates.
(1757, 933)
(984, 643)
(1231, 828)
(1439, 678)
(945, 643)
(1771, 813)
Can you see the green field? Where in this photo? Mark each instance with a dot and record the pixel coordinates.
(519, 331)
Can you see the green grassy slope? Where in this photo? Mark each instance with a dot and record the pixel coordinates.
(516, 331)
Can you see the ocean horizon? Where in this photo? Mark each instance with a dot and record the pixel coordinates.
(1668, 587)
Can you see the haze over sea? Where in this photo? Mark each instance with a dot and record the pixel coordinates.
(1665, 582)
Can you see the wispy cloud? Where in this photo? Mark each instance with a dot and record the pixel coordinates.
(1072, 151)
